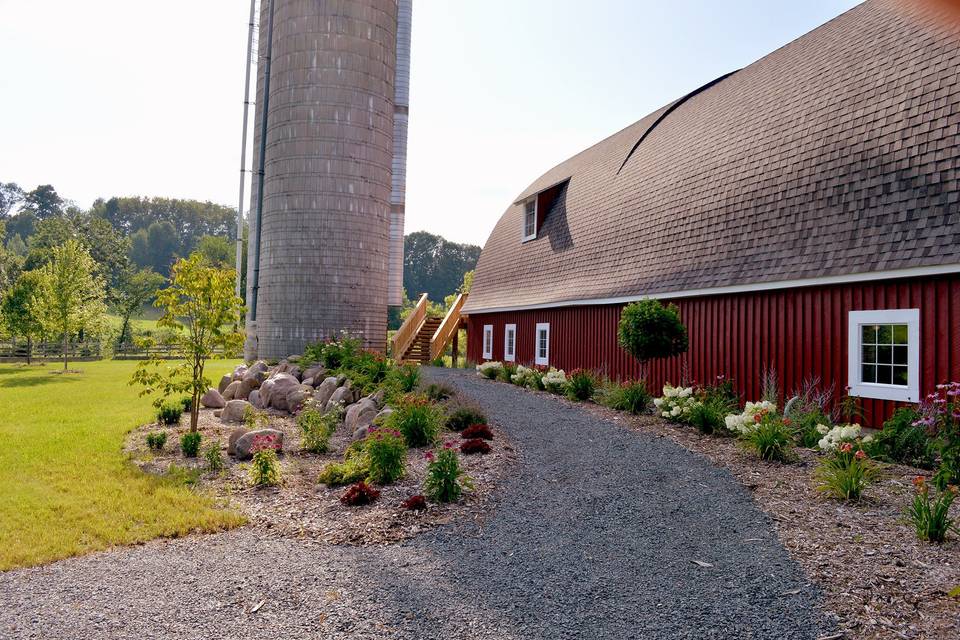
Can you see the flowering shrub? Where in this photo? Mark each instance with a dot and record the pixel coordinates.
(902, 441)
(580, 385)
(474, 446)
(414, 503)
(747, 421)
(506, 372)
(834, 437)
(387, 455)
(463, 414)
(676, 402)
(845, 472)
(359, 494)
(190, 444)
(156, 440)
(477, 431)
(631, 395)
(940, 416)
(527, 377)
(554, 380)
(445, 479)
(418, 419)
(490, 369)
(264, 470)
(930, 513)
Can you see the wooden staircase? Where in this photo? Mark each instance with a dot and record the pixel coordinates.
(424, 338)
(419, 349)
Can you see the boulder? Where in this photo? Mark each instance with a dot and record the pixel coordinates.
(224, 382)
(254, 398)
(257, 372)
(316, 372)
(361, 433)
(324, 390)
(234, 411)
(239, 371)
(217, 413)
(245, 388)
(384, 413)
(343, 395)
(360, 414)
(232, 440)
(243, 446)
(273, 392)
(307, 381)
(294, 358)
(377, 397)
(297, 397)
(230, 393)
(212, 399)
(290, 369)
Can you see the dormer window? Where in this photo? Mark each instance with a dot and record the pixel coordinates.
(530, 219)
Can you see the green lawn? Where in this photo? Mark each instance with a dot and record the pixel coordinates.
(66, 487)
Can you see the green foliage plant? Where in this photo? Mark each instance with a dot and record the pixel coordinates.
(844, 473)
(581, 385)
(930, 511)
(156, 440)
(316, 427)
(445, 479)
(190, 444)
(464, 414)
(940, 416)
(354, 468)
(265, 468)
(648, 330)
(213, 458)
(169, 413)
(771, 438)
(506, 372)
(200, 305)
(386, 454)
(418, 419)
(903, 441)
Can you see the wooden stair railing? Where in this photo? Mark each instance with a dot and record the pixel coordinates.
(447, 329)
(404, 337)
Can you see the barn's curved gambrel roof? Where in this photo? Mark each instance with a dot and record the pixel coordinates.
(835, 155)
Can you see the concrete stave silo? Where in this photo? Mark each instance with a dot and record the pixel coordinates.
(323, 259)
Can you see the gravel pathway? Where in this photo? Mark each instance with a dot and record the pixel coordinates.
(595, 536)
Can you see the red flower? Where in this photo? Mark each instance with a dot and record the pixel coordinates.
(846, 447)
(758, 417)
(787, 421)
(918, 481)
(860, 454)
(429, 456)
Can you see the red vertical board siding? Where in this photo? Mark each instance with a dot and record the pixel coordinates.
(802, 333)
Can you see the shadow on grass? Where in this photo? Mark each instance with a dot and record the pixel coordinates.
(36, 379)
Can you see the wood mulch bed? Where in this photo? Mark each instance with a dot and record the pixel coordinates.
(301, 507)
(878, 579)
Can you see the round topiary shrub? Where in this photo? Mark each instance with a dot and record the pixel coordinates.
(648, 330)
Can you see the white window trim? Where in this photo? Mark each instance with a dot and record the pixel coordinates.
(523, 221)
(909, 317)
(541, 326)
(488, 342)
(508, 355)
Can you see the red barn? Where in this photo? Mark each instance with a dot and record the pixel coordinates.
(803, 213)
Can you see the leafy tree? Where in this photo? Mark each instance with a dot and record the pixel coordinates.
(21, 224)
(135, 288)
(43, 202)
(71, 298)
(155, 247)
(200, 306)
(49, 234)
(217, 251)
(15, 244)
(648, 330)
(10, 264)
(20, 308)
(435, 266)
(10, 196)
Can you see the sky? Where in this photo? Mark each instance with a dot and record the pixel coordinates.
(121, 97)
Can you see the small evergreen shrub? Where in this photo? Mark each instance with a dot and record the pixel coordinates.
(190, 444)
(445, 480)
(387, 455)
(930, 511)
(418, 419)
(844, 473)
(477, 431)
(186, 402)
(359, 494)
(648, 330)
(265, 468)
(169, 413)
(581, 385)
(631, 396)
(463, 415)
(474, 446)
(156, 440)
(902, 441)
(213, 458)
(414, 503)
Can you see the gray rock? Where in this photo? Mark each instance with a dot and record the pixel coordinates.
(361, 433)
(377, 397)
(307, 381)
(254, 398)
(218, 413)
(297, 397)
(316, 372)
(343, 395)
(234, 411)
(224, 382)
(360, 414)
(212, 399)
(245, 388)
(244, 444)
(258, 371)
(384, 413)
(325, 390)
(294, 358)
(232, 440)
(230, 393)
(273, 392)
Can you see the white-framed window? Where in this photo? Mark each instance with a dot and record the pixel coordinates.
(884, 354)
(510, 343)
(488, 342)
(542, 345)
(529, 219)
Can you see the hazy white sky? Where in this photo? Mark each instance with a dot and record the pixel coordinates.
(129, 97)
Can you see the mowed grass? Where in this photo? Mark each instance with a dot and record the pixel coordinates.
(66, 486)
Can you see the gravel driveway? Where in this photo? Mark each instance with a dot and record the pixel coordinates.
(594, 536)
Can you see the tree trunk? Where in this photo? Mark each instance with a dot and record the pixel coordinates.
(123, 330)
(66, 339)
(29, 349)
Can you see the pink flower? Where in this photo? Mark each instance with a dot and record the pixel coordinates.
(429, 456)
(846, 447)
(860, 455)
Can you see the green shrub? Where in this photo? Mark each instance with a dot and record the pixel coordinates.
(900, 441)
(490, 370)
(771, 438)
(805, 426)
(265, 468)
(631, 396)
(581, 385)
(156, 440)
(707, 415)
(648, 330)
(213, 458)
(386, 454)
(190, 444)
(254, 419)
(930, 513)
(844, 474)
(463, 415)
(339, 353)
(438, 392)
(316, 427)
(445, 480)
(418, 419)
(351, 470)
(506, 372)
(186, 402)
(405, 378)
(169, 413)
